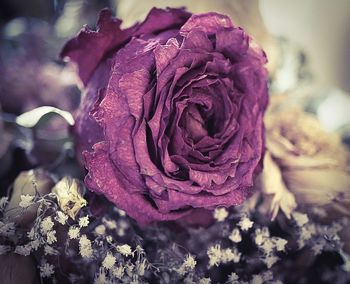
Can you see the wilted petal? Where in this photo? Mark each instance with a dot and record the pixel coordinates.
(320, 187)
(209, 23)
(88, 48)
(69, 193)
(164, 53)
(233, 43)
(197, 39)
(273, 184)
(162, 19)
(86, 130)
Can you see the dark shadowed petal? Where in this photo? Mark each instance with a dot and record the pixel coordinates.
(157, 182)
(177, 200)
(166, 83)
(233, 43)
(86, 130)
(205, 179)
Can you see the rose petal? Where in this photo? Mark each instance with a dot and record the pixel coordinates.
(233, 43)
(197, 39)
(179, 200)
(102, 179)
(164, 54)
(209, 23)
(162, 19)
(88, 48)
(87, 131)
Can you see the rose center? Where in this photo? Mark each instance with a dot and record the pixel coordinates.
(198, 121)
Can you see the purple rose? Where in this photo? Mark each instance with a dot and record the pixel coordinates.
(172, 117)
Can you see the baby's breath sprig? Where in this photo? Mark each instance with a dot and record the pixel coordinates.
(113, 249)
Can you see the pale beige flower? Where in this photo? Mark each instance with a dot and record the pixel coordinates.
(233, 278)
(280, 244)
(297, 140)
(228, 255)
(204, 280)
(69, 194)
(214, 254)
(3, 203)
(270, 260)
(141, 266)
(300, 218)
(306, 164)
(100, 230)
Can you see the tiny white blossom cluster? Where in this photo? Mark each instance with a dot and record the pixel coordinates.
(46, 269)
(85, 247)
(26, 200)
(124, 250)
(245, 223)
(319, 237)
(88, 242)
(187, 266)
(220, 214)
(218, 256)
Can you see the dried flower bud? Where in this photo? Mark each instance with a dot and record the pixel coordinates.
(69, 194)
(27, 184)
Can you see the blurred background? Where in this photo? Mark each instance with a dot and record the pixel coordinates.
(307, 43)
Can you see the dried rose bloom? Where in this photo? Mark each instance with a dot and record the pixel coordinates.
(172, 115)
(313, 163)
